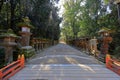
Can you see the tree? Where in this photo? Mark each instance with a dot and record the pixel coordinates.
(39, 11)
(71, 15)
(93, 15)
(1, 4)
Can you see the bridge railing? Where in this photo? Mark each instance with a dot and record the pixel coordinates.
(13, 68)
(113, 64)
(40, 44)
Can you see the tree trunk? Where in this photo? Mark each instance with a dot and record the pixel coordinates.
(1, 3)
(12, 23)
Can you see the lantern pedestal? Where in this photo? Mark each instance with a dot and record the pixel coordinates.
(9, 44)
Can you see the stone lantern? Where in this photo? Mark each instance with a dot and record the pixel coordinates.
(33, 42)
(93, 46)
(8, 43)
(105, 40)
(25, 31)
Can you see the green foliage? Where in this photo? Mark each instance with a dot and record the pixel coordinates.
(28, 52)
(117, 52)
(26, 22)
(87, 17)
(45, 19)
(82, 16)
(8, 33)
(42, 14)
(39, 11)
(108, 1)
(71, 17)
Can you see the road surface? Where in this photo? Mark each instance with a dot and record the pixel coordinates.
(62, 62)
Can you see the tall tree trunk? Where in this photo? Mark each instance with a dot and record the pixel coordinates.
(1, 3)
(12, 23)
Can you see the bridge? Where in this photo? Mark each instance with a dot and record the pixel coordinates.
(59, 62)
(63, 62)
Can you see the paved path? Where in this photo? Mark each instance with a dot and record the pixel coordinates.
(63, 62)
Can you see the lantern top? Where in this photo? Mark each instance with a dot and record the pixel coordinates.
(25, 23)
(9, 33)
(26, 19)
(104, 30)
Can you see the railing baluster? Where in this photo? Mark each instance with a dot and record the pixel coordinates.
(112, 64)
(11, 69)
(1, 74)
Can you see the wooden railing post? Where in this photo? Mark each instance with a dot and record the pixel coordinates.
(1, 74)
(18, 57)
(112, 64)
(22, 60)
(108, 58)
(12, 68)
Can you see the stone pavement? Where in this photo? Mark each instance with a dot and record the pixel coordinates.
(62, 62)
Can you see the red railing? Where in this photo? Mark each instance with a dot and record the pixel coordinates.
(13, 68)
(113, 64)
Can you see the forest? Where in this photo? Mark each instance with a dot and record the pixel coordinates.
(42, 16)
(84, 18)
(42, 13)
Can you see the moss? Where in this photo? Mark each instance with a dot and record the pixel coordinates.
(104, 29)
(28, 52)
(8, 33)
(26, 22)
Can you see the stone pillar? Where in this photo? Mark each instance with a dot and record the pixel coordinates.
(8, 54)
(93, 46)
(37, 45)
(42, 44)
(45, 43)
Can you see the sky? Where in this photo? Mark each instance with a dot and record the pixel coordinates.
(60, 5)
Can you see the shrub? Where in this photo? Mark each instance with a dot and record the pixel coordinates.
(117, 52)
(28, 52)
(2, 57)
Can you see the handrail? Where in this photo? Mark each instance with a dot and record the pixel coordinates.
(11, 69)
(113, 64)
